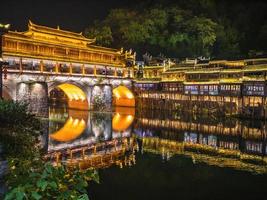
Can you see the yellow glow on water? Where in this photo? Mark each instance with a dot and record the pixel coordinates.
(121, 122)
(129, 118)
(73, 92)
(72, 129)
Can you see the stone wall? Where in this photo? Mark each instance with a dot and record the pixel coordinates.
(34, 94)
(103, 94)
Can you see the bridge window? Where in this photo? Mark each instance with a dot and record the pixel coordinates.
(77, 69)
(63, 68)
(89, 70)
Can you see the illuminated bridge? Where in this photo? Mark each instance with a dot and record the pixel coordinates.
(44, 61)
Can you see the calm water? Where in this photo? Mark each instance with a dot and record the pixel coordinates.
(150, 155)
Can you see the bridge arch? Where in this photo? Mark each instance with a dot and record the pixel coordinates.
(123, 96)
(77, 94)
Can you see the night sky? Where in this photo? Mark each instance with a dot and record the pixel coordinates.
(73, 15)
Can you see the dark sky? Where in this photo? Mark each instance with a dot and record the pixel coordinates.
(74, 15)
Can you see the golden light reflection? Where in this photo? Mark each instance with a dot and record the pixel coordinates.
(121, 121)
(76, 123)
(72, 129)
(84, 158)
(123, 97)
(201, 153)
(73, 92)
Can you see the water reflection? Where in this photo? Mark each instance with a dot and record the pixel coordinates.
(94, 139)
(70, 126)
(91, 139)
(221, 142)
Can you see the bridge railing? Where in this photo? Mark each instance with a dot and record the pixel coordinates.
(71, 70)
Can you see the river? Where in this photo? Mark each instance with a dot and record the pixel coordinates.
(157, 155)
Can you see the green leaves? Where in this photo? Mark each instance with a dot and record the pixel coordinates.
(186, 29)
(42, 184)
(157, 30)
(103, 35)
(36, 196)
(53, 183)
(83, 197)
(17, 193)
(9, 109)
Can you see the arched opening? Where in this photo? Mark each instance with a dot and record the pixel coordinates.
(122, 96)
(69, 94)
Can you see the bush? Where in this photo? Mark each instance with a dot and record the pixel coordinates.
(51, 182)
(16, 113)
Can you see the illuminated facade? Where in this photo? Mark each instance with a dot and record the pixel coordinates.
(47, 49)
(239, 86)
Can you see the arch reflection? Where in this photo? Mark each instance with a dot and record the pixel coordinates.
(123, 118)
(70, 128)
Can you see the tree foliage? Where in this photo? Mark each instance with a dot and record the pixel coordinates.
(49, 182)
(185, 28)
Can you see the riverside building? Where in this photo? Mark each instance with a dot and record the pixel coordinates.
(228, 87)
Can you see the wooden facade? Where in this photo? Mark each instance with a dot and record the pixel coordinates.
(46, 49)
(229, 87)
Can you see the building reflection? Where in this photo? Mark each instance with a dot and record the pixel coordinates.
(91, 139)
(232, 143)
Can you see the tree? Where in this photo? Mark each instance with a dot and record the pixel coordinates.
(227, 43)
(186, 28)
(203, 35)
(103, 35)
